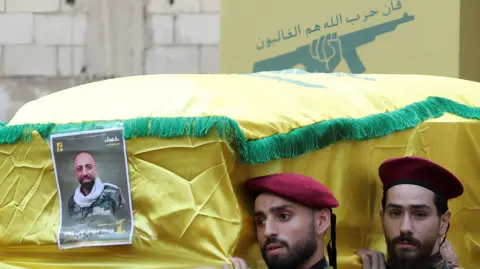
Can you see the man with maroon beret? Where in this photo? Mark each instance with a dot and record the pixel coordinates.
(292, 213)
(414, 214)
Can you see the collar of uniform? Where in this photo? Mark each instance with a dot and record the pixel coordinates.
(439, 262)
(322, 264)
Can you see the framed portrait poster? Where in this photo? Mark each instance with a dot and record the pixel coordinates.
(93, 183)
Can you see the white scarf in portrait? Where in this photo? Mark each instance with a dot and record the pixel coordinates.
(86, 201)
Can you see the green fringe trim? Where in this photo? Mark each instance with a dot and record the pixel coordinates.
(290, 145)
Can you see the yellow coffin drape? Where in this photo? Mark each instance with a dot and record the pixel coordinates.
(190, 209)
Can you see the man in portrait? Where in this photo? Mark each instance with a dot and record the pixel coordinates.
(93, 201)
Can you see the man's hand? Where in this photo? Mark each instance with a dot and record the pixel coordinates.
(371, 259)
(237, 264)
(449, 254)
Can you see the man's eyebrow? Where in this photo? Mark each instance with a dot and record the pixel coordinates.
(419, 206)
(280, 208)
(258, 214)
(274, 209)
(394, 206)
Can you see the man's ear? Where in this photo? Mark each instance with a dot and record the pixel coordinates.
(382, 214)
(322, 220)
(444, 221)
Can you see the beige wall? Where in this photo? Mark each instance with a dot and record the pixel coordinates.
(48, 45)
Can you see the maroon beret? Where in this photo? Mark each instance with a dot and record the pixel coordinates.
(422, 172)
(298, 188)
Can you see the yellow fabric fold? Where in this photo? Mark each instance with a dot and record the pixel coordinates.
(190, 208)
(292, 100)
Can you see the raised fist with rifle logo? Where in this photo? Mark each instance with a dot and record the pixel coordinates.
(324, 54)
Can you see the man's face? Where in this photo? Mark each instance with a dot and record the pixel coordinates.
(85, 169)
(411, 224)
(285, 231)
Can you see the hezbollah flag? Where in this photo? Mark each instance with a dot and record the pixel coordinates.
(193, 140)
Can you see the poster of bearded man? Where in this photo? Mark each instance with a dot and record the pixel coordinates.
(91, 170)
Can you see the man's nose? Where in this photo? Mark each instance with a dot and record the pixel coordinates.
(83, 171)
(406, 226)
(270, 229)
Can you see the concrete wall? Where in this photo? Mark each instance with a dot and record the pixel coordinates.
(185, 36)
(49, 45)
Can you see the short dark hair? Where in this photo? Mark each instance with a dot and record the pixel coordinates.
(440, 203)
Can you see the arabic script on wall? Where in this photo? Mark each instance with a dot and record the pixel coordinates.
(324, 54)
